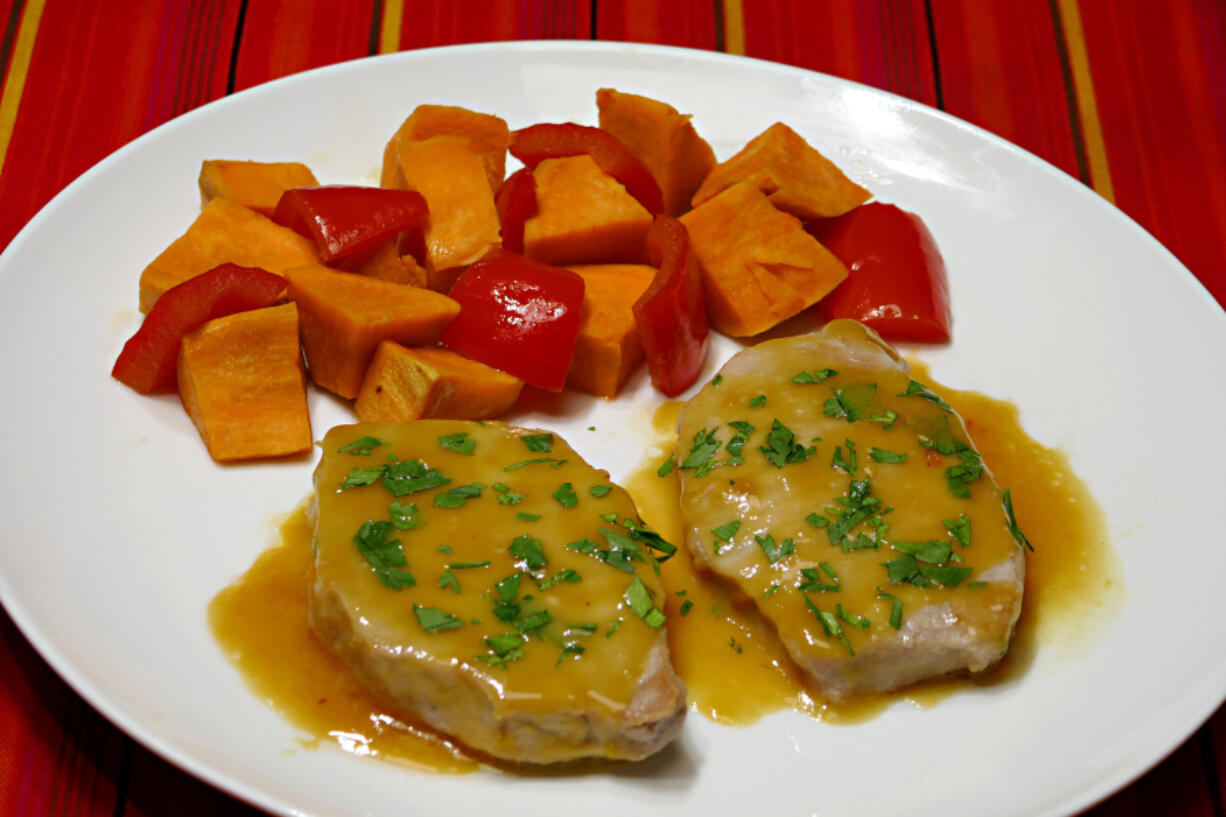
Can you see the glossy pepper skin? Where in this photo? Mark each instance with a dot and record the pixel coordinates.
(671, 315)
(516, 203)
(346, 220)
(897, 284)
(517, 315)
(534, 144)
(150, 357)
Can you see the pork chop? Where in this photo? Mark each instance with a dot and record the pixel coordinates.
(486, 581)
(848, 502)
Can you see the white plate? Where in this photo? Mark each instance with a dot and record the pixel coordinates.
(117, 530)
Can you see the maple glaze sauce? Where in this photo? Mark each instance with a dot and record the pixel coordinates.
(734, 666)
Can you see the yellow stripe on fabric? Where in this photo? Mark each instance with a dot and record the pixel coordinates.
(1087, 104)
(734, 27)
(389, 31)
(19, 67)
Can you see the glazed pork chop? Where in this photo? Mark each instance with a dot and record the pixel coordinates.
(847, 501)
(486, 581)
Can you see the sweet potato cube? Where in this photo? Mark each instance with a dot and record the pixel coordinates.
(257, 185)
(607, 350)
(345, 316)
(662, 139)
(487, 135)
(463, 224)
(584, 216)
(412, 384)
(225, 231)
(241, 381)
(386, 263)
(797, 178)
(759, 266)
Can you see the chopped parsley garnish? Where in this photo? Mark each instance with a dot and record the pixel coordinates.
(506, 496)
(858, 505)
(383, 554)
(599, 491)
(895, 608)
(918, 389)
(468, 565)
(617, 623)
(725, 532)
(448, 579)
(362, 446)
(830, 624)
(882, 455)
(846, 464)
(717, 380)
(666, 467)
(851, 618)
(456, 497)
(934, 552)
(459, 442)
(410, 477)
(434, 620)
(702, 451)
(639, 598)
(553, 463)
(533, 621)
(686, 606)
(817, 520)
(760, 400)
(502, 645)
(569, 576)
(814, 583)
(959, 477)
(566, 496)
(527, 517)
(361, 477)
(538, 442)
(569, 648)
(528, 550)
(813, 377)
(781, 447)
(1007, 498)
(775, 552)
(404, 517)
(960, 529)
(742, 427)
(851, 402)
(770, 591)
(886, 416)
(907, 569)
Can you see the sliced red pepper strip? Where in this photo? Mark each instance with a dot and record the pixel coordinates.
(346, 220)
(672, 315)
(150, 357)
(535, 143)
(517, 315)
(897, 284)
(516, 203)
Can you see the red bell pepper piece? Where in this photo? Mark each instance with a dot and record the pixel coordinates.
(516, 203)
(671, 315)
(346, 220)
(150, 357)
(517, 315)
(535, 143)
(897, 284)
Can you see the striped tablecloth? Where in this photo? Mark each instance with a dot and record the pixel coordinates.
(1127, 96)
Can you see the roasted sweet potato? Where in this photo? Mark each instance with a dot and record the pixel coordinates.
(413, 384)
(241, 381)
(584, 216)
(463, 223)
(257, 185)
(607, 350)
(797, 178)
(225, 231)
(759, 266)
(345, 316)
(487, 135)
(662, 139)
(386, 263)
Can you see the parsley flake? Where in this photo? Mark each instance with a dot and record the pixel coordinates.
(882, 455)
(362, 446)
(566, 496)
(781, 447)
(813, 377)
(434, 620)
(599, 491)
(538, 442)
(459, 442)
(528, 550)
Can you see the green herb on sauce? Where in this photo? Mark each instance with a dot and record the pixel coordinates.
(1019, 537)
(552, 462)
(960, 529)
(383, 554)
(686, 606)
(528, 550)
(566, 496)
(817, 520)
(775, 552)
(846, 464)
(882, 455)
(600, 491)
(434, 620)
(666, 468)
(527, 517)
(538, 442)
(459, 442)
(410, 477)
(895, 608)
(918, 389)
(639, 598)
(506, 496)
(457, 497)
(781, 447)
(760, 400)
(569, 576)
(886, 416)
(362, 446)
(702, 450)
(404, 517)
(813, 377)
(851, 618)
(448, 579)
(851, 402)
(830, 624)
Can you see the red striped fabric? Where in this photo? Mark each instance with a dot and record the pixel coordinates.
(1160, 79)
(686, 23)
(445, 22)
(280, 39)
